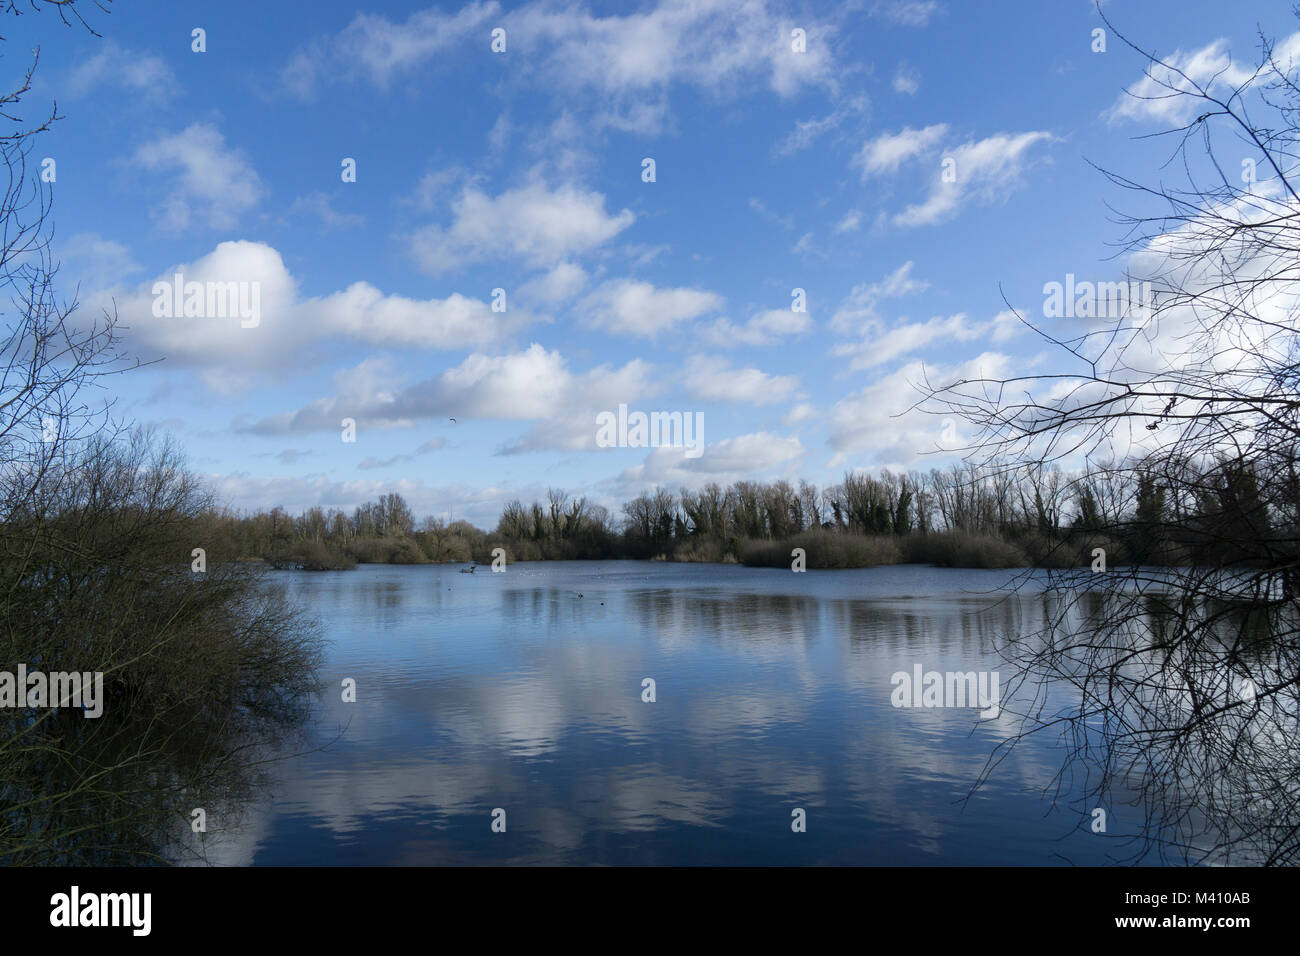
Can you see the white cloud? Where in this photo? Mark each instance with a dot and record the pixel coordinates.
(806, 132)
(887, 152)
(986, 171)
(629, 307)
(558, 285)
(875, 424)
(532, 223)
(759, 207)
(481, 504)
(1006, 326)
(143, 74)
(723, 461)
(571, 424)
(379, 49)
(908, 13)
(720, 47)
(366, 314)
(320, 205)
(371, 462)
(906, 80)
(288, 322)
(213, 185)
(714, 380)
(860, 309)
(884, 345)
(805, 246)
(1159, 95)
(851, 222)
(535, 384)
(619, 66)
(765, 328)
(440, 185)
(801, 413)
(96, 262)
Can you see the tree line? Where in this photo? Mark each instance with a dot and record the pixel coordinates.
(1155, 511)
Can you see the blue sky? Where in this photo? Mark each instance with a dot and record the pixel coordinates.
(475, 170)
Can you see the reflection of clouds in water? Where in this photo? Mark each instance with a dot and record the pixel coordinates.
(743, 715)
(343, 801)
(235, 845)
(789, 780)
(507, 694)
(521, 717)
(643, 798)
(880, 777)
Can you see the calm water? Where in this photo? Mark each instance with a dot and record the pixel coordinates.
(513, 691)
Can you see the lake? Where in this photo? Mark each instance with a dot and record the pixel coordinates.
(523, 691)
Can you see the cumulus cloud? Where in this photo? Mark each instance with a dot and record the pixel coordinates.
(534, 224)
(210, 184)
(765, 328)
(534, 384)
(714, 380)
(558, 285)
(630, 307)
(363, 312)
(874, 423)
(730, 459)
(882, 345)
(803, 412)
(288, 322)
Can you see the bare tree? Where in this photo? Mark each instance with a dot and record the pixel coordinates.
(201, 671)
(1183, 681)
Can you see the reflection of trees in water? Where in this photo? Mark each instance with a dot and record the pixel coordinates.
(970, 625)
(204, 673)
(174, 735)
(120, 789)
(1182, 702)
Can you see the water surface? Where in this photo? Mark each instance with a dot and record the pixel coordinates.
(523, 691)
